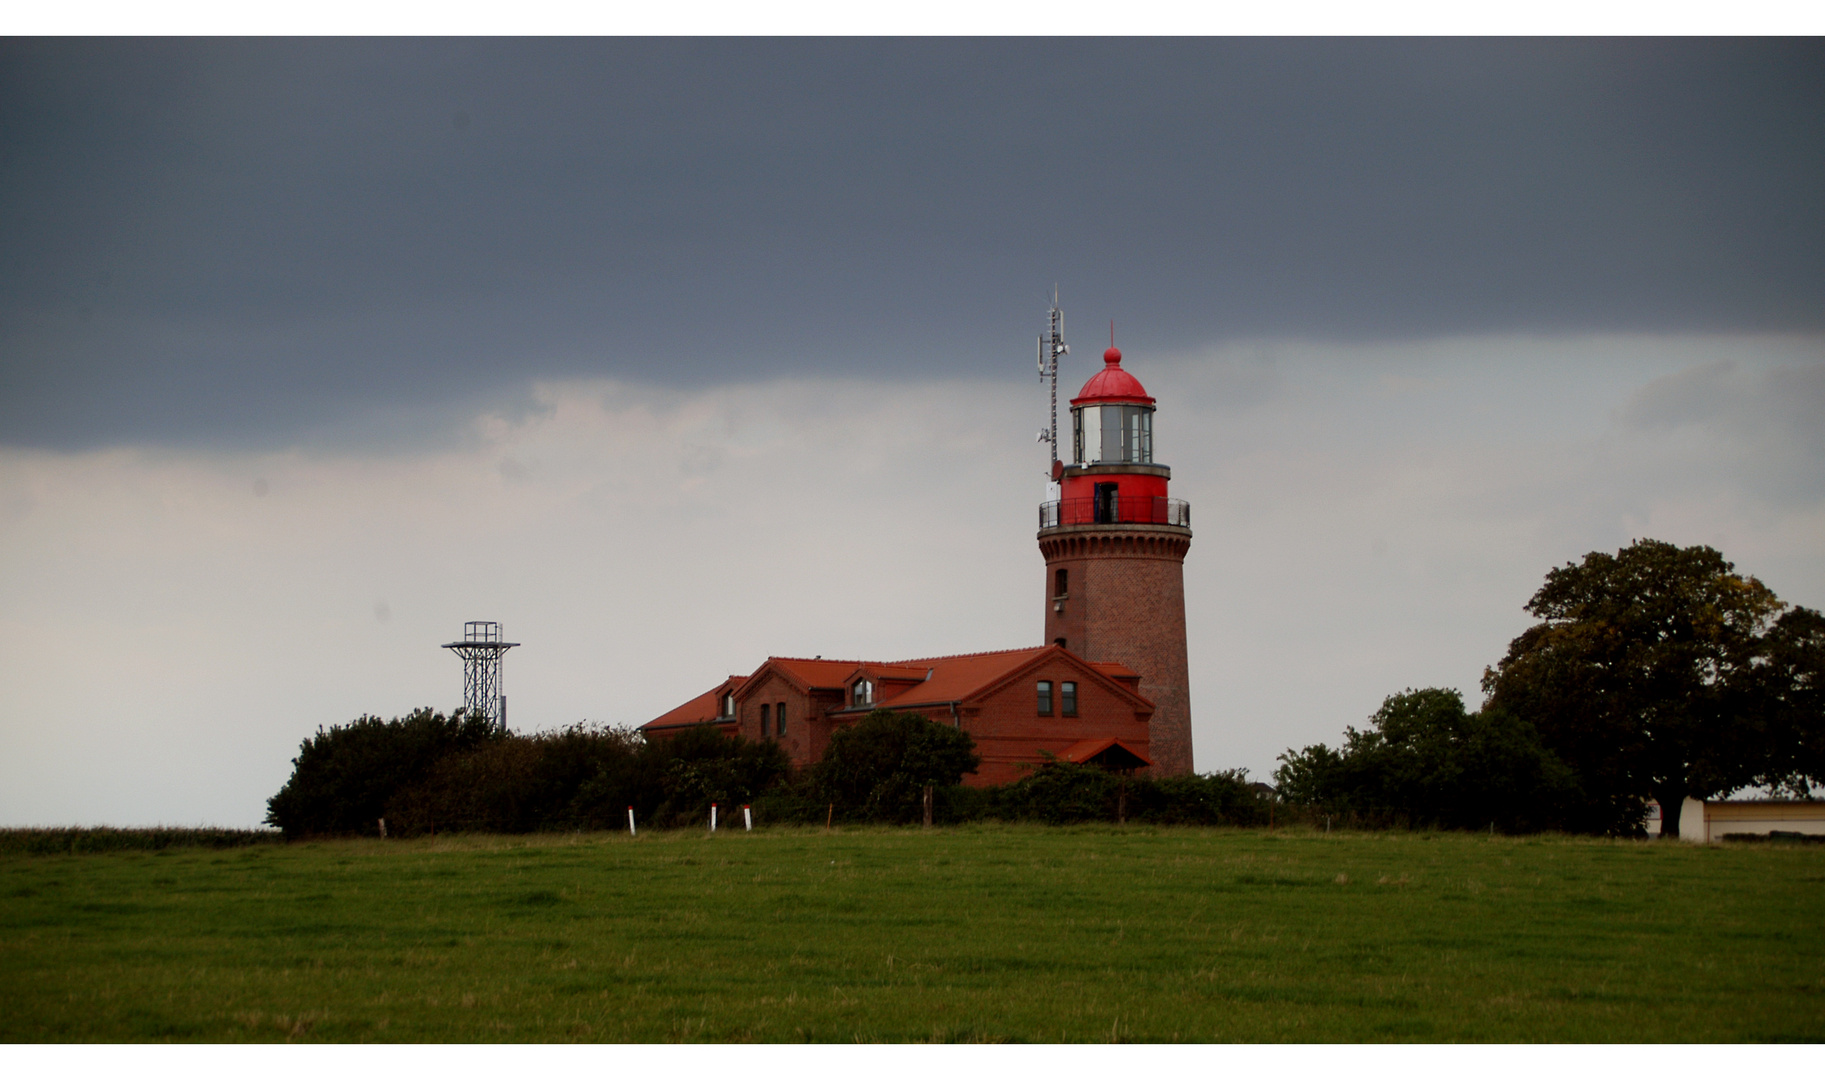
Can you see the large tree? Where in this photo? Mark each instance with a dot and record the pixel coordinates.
(1648, 675)
(879, 767)
(1792, 698)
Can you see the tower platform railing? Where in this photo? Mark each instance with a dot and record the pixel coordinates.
(481, 633)
(1146, 510)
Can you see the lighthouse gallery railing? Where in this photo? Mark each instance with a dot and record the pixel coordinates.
(1146, 510)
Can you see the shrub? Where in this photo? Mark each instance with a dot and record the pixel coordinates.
(426, 773)
(681, 776)
(524, 783)
(344, 777)
(1061, 792)
(1428, 762)
(1218, 798)
(82, 841)
(586, 778)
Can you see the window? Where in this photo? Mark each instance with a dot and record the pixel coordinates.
(1138, 427)
(1067, 698)
(1045, 697)
(728, 704)
(764, 719)
(1061, 581)
(1112, 433)
(779, 715)
(864, 692)
(1060, 642)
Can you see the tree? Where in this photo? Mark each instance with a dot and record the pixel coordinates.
(343, 778)
(879, 767)
(1644, 675)
(1792, 697)
(1427, 761)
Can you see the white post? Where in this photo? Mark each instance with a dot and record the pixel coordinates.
(747, 817)
(712, 817)
(630, 822)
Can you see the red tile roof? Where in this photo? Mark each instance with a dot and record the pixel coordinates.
(970, 675)
(702, 709)
(817, 673)
(956, 678)
(896, 672)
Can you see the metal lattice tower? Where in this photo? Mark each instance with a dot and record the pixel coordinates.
(481, 649)
(1051, 347)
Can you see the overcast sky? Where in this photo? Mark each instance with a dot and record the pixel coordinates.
(674, 354)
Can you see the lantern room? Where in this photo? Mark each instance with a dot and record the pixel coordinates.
(1112, 419)
(1112, 478)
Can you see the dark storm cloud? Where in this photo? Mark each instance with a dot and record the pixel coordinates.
(245, 241)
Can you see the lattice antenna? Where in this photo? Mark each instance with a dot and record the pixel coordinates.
(481, 649)
(1051, 347)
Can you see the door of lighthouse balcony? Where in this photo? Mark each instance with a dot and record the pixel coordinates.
(1107, 509)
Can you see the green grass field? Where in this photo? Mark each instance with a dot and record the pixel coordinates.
(976, 933)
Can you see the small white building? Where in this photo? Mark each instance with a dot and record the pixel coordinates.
(1711, 820)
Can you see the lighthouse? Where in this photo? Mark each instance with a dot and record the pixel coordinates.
(1114, 543)
(1107, 688)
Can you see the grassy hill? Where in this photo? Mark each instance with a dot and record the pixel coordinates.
(976, 933)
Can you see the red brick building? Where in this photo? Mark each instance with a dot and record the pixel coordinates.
(1018, 705)
(1111, 687)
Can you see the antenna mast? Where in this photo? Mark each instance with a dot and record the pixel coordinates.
(1051, 347)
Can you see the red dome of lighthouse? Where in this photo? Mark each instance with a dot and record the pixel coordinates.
(1113, 384)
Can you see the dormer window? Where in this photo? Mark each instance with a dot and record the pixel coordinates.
(728, 704)
(864, 693)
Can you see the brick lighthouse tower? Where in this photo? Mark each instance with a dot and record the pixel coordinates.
(1114, 546)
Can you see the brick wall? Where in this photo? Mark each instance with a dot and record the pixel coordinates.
(772, 690)
(1125, 601)
(1010, 733)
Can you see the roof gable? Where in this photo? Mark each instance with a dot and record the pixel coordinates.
(1096, 672)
